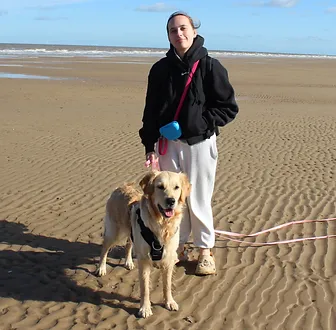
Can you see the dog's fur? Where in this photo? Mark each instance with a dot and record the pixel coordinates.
(161, 206)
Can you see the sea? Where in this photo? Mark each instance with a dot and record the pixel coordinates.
(35, 51)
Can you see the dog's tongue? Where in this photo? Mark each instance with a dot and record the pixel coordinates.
(169, 213)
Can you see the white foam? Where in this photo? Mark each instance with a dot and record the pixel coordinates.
(32, 51)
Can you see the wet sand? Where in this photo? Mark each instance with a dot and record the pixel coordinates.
(66, 143)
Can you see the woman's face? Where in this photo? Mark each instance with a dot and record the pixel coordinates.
(181, 34)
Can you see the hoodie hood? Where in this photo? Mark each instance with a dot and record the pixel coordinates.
(194, 53)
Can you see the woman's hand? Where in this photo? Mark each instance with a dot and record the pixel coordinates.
(152, 160)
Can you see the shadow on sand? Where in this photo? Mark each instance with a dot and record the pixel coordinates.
(46, 275)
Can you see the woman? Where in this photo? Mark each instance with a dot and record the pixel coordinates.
(209, 103)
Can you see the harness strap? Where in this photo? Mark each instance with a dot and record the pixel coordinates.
(155, 246)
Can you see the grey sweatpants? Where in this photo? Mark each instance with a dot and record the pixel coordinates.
(199, 162)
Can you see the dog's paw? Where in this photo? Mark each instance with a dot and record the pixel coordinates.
(101, 271)
(129, 265)
(172, 305)
(145, 311)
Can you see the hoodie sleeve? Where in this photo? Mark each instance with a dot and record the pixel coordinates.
(149, 133)
(220, 107)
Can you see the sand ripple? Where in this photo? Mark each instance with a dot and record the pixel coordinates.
(66, 145)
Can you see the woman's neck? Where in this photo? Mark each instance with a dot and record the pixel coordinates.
(180, 55)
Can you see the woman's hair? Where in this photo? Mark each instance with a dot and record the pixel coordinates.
(194, 24)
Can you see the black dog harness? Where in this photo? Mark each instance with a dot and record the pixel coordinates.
(155, 246)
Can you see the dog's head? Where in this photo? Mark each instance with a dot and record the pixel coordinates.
(166, 190)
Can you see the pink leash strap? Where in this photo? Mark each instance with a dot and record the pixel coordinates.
(163, 145)
(229, 235)
(190, 75)
(163, 142)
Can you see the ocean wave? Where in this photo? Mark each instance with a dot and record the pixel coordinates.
(15, 51)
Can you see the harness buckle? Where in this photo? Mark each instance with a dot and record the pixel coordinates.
(154, 248)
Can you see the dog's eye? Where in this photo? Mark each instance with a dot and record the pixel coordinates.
(176, 187)
(161, 187)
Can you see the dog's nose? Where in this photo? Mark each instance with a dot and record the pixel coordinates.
(170, 202)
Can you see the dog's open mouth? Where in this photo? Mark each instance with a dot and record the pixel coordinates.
(167, 213)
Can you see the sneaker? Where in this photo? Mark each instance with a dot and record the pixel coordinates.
(206, 265)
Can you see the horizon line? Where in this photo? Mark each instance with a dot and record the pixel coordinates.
(165, 48)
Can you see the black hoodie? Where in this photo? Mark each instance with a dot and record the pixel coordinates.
(209, 103)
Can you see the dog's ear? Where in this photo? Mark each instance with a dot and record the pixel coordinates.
(146, 183)
(185, 187)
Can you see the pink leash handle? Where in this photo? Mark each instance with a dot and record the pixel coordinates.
(229, 235)
(163, 146)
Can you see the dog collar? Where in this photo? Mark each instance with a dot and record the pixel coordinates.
(155, 246)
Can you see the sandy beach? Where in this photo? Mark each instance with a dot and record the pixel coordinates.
(68, 141)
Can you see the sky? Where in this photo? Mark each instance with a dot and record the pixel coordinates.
(280, 26)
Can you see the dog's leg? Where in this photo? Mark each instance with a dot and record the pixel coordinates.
(129, 262)
(144, 277)
(167, 273)
(108, 242)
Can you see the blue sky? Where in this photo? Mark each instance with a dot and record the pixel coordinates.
(297, 26)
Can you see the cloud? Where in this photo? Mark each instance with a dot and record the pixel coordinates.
(283, 3)
(157, 7)
(49, 18)
(331, 10)
(54, 3)
(3, 12)
(273, 3)
(307, 39)
(19, 4)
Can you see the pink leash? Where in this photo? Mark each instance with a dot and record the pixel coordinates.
(190, 75)
(163, 142)
(229, 235)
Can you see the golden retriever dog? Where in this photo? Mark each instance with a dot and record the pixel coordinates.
(151, 222)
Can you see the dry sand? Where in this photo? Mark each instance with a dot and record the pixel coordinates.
(65, 144)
